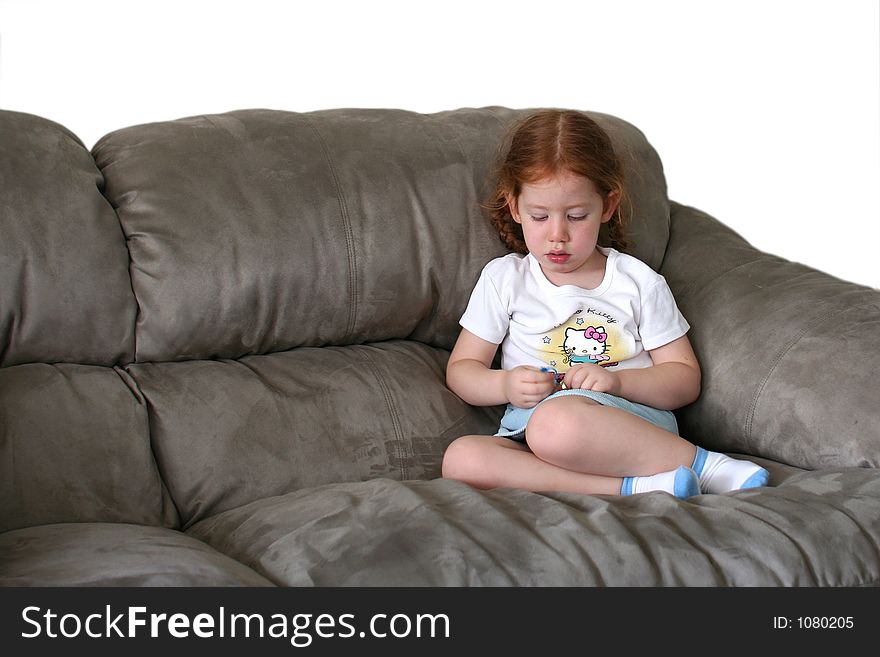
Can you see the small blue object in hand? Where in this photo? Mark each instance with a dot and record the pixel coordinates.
(557, 377)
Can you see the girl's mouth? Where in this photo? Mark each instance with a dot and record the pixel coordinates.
(558, 258)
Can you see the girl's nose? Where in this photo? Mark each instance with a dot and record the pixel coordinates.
(558, 230)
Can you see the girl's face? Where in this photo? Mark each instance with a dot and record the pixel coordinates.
(560, 217)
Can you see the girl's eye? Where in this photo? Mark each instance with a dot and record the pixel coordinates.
(542, 218)
(577, 217)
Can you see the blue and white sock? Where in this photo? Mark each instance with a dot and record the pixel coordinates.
(719, 473)
(682, 482)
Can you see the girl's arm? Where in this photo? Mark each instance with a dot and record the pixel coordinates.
(469, 374)
(672, 382)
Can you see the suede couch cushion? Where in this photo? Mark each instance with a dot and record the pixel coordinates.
(226, 433)
(66, 295)
(75, 446)
(790, 355)
(115, 554)
(258, 231)
(813, 529)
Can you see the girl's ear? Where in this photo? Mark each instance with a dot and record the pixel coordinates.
(612, 200)
(513, 208)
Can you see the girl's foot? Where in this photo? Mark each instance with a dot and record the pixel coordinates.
(719, 473)
(681, 482)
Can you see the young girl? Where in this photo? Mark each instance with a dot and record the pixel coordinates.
(594, 351)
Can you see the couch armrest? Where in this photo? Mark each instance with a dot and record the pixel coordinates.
(790, 355)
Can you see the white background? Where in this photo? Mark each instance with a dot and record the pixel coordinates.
(766, 113)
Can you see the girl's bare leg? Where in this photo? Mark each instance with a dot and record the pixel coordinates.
(578, 434)
(494, 462)
(577, 445)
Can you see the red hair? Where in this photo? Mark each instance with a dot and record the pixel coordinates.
(543, 145)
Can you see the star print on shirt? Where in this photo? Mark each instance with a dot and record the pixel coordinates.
(546, 339)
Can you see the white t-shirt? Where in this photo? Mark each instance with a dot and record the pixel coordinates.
(541, 324)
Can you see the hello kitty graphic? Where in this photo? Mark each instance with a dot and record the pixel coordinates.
(586, 345)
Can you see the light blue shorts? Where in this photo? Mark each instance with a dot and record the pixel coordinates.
(513, 424)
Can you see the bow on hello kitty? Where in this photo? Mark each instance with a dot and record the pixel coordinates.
(597, 334)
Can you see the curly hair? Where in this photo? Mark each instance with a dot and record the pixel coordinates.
(542, 145)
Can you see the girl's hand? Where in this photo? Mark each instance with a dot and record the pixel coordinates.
(593, 377)
(525, 386)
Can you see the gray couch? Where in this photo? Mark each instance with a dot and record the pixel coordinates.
(222, 352)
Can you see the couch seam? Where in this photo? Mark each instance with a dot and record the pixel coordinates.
(760, 390)
(392, 410)
(142, 398)
(101, 187)
(762, 258)
(758, 393)
(347, 230)
(6, 346)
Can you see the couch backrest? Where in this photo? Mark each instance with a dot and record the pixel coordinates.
(259, 231)
(65, 292)
(789, 354)
(151, 293)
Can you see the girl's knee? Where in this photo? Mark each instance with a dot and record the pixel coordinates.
(541, 423)
(558, 426)
(462, 458)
